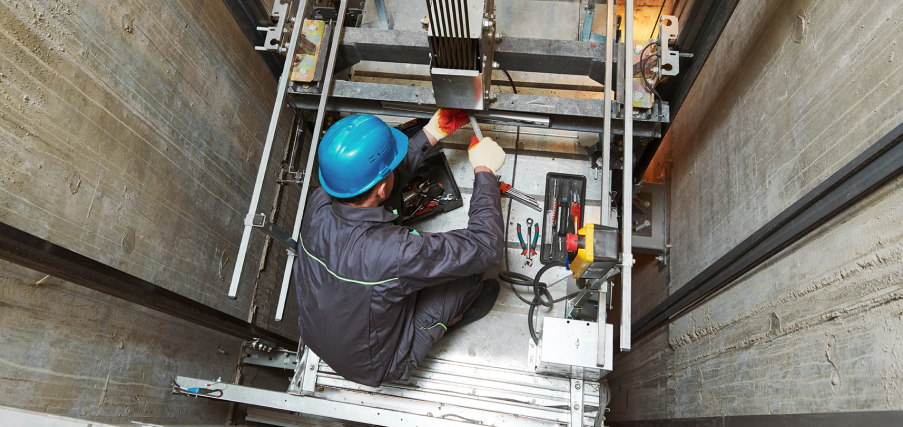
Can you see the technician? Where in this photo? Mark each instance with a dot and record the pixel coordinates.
(373, 297)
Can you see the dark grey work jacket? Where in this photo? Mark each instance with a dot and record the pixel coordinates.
(357, 275)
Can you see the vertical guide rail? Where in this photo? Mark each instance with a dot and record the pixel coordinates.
(314, 142)
(627, 190)
(606, 168)
(606, 123)
(281, 88)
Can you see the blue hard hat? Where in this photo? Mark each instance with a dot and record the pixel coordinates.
(357, 152)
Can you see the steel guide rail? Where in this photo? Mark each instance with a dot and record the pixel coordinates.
(280, 103)
(314, 142)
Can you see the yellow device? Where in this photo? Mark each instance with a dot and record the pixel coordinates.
(597, 251)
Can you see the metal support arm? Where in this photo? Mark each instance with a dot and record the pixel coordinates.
(582, 58)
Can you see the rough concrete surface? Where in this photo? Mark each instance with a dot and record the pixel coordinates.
(130, 132)
(791, 92)
(771, 117)
(72, 351)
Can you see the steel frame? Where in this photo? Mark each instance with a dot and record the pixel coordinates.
(351, 45)
(465, 392)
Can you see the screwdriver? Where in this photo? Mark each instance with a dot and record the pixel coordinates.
(575, 209)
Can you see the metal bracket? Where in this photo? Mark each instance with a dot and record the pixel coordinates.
(576, 406)
(384, 19)
(304, 380)
(278, 358)
(273, 40)
(260, 222)
(667, 33)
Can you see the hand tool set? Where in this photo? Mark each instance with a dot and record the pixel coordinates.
(562, 214)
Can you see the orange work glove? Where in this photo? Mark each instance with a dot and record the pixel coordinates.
(445, 122)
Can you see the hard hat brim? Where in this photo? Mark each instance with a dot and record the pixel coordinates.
(401, 150)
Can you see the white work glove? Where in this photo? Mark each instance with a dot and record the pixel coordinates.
(486, 153)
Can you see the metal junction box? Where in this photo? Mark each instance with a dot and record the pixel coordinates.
(568, 343)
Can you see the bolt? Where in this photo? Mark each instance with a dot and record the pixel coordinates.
(487, 23)
(303, 71)
(576, 406)
(311, 367)
(577, 386)
(312, 27)
(638, 48)
(639, 96)
(495, 64)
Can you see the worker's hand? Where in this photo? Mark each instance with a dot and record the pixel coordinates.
(486, 153)
(445, 122)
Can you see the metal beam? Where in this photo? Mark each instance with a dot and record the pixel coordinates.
(876, 166)
(563, 113)
(314, 406)
(41, 255)
(822, 419)
(627, 181)
(583, 58)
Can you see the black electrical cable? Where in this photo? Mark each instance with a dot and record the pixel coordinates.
(513, 174)
(655, 25)
(541, 294)
(658, 98)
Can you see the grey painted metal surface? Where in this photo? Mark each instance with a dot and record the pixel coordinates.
(390, 99)
(438, 390)
(512, 53)
(627, 181)
(605, 168)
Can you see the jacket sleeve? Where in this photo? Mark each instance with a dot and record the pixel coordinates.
(434, 259)
(419, 148)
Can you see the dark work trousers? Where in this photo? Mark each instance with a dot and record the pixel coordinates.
(435, 309)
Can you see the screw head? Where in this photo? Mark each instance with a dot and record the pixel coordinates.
(312, 27)
(576, 406)
(577, 386)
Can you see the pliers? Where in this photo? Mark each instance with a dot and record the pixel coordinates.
(535, 238)
(520, 237)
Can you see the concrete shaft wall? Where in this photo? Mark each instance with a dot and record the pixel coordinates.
(792, 91)
(130, 132)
